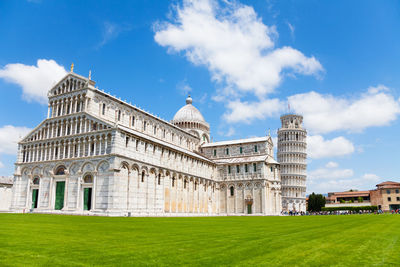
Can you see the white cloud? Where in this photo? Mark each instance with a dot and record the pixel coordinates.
(331, 164)
(365, 182)
(34, 80)
(238, 50)
(291, 28)
(10, 136)
(184, 88)
(330, 173)
(331, 178)
(248, 111)
(327, 113)
(318, 147)
(111, 31)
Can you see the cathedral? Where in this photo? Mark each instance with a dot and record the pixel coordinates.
(97, 155)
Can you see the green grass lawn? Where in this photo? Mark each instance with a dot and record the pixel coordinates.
(353, 240)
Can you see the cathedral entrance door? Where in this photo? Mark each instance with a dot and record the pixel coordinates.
(35, 194)
(60, 188)
(248, 208)
(87, 198)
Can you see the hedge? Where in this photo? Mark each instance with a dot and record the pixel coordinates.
(372, 208)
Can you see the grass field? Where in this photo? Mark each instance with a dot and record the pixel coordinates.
(353, 240)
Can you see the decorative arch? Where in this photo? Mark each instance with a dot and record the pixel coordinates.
(124, 165)
(36, 171)
(87, 167)
(135, 167)
(60, 170)
(103, 166)
(153, 171)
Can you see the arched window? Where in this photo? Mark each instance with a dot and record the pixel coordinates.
(184, 184)
(60, 170)
(142, 176)
(88, 179)
(159, 179)
(36, 181)
(232, 190)
(173, 181)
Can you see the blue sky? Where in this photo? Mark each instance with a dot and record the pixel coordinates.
(335, 62)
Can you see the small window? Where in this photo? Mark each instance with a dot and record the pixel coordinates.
(227, 151)
(133, 121)
(241, 150)
(255, 148)
(36, 181)
(144, 126)
(254, 167)
(388, 191)
(195, 186)
(103, 111)
(397, 191)
(126, 141)
(155, 130)
(119, 115)
(159, 179)
(398, 198)
(272, 169)
(237, 168)
(245, 168)
(142, 176)
(232, 191)
(184, 184)
(164, 133)
(229, 169)
(389, 199)
(215, 152)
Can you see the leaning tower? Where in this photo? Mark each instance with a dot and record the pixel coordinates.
(292, 155)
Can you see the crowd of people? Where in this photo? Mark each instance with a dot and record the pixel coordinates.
(339, 212)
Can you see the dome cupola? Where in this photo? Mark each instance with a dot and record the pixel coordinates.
(190, 119)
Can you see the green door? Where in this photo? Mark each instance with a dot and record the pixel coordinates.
(248, 208)
(60, 188)
(87, 199)
(35, 194)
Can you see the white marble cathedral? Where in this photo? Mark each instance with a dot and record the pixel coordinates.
(96, 154)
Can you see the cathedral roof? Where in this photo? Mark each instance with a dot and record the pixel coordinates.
(239, 141)
(188, 113)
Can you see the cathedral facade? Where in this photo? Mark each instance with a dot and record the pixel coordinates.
(95, 154)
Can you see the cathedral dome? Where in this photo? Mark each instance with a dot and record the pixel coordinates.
(188, 113)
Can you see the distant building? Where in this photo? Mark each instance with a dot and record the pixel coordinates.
(386, 196)
(6, 184)
(348, 199)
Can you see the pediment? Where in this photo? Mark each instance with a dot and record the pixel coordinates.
(71, 82)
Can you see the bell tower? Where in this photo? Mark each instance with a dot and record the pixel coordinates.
(292, 156)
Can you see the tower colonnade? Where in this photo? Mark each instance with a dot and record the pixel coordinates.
(292, 155)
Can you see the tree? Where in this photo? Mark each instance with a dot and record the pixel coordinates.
(316, 202)
(360, 199)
